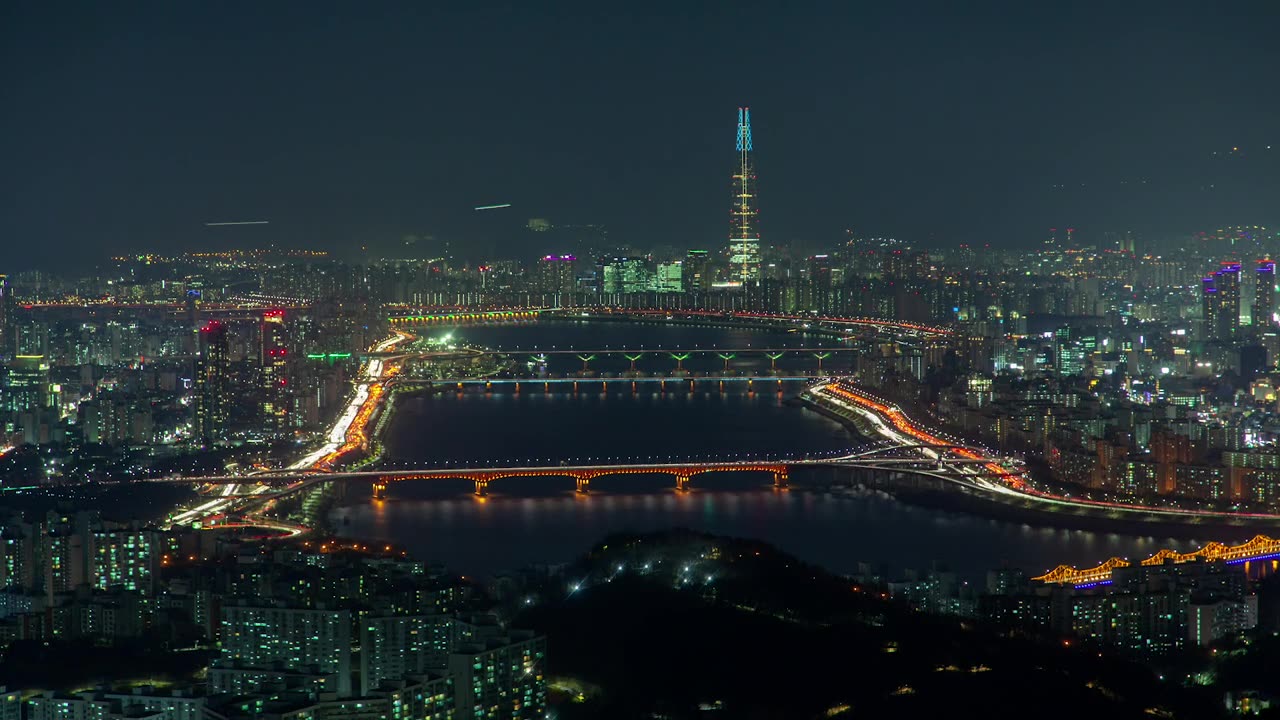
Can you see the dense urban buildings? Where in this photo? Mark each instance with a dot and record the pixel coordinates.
(261, 302)
(316, 630)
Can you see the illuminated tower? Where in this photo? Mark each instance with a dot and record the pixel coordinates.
(1222, 303)
(6, 313)
(1264, 295)
(1210, 307)
(213, 367)
(744, 233)
(1227, 281)
(273, 365)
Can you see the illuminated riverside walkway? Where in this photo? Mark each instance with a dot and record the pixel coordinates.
(1259, 548)
(407, 317)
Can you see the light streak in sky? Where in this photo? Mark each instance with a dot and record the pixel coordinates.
(493, 207)
(241, 222)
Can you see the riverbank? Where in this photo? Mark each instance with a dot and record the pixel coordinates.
(933, 491)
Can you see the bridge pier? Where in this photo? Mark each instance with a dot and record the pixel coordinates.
(780, 479)
(584, 485)
(482, 487)
(379, 490)
(682, 483)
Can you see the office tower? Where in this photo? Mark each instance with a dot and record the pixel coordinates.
(213, 367)
(744, 232)
(26, 386)
(273, 359)
(625, 275)
(1264, 296)
(669, 278)
(697, 271)
(265, 648)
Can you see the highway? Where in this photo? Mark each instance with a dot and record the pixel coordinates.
(346, 434)
(976, 469)
(893, 425)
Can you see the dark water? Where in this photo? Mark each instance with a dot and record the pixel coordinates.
(714, 421)
(541, 520)
(551, 524)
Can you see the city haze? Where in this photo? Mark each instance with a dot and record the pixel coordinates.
(132, 128)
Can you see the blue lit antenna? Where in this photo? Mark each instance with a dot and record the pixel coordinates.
(744, 129)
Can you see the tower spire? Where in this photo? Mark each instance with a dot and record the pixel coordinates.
(744, 235)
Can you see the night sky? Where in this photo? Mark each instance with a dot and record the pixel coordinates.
(127, 126)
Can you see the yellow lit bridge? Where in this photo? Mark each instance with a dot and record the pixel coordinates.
(1259, 548)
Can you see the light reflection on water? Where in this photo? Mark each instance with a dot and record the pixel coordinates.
(836, 531)
(543, 521)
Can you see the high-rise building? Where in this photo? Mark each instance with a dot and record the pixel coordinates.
(213, 369)
(1264, 295)
(557, 275)
(501, 677)
(273, 358)
(266, 648)
(395, 647)
(697, 271)
(1227, 315)
(744, 232)
(26, 385)
(6, 313)
(669, 278)
(625, 275)
(1222, 303)
(122, 558)
(1209, 305)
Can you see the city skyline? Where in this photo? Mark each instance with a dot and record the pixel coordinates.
(429, 361)
(994, 128)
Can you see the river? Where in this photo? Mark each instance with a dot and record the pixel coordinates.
(541, 520)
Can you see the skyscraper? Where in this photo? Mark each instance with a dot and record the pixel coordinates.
(744, 232)
(697, 271)
(1209, 309)
(1222, 303)
(1228, 284)
(274, 371)
(213, 365)
(1264, 295)
(6, 313)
